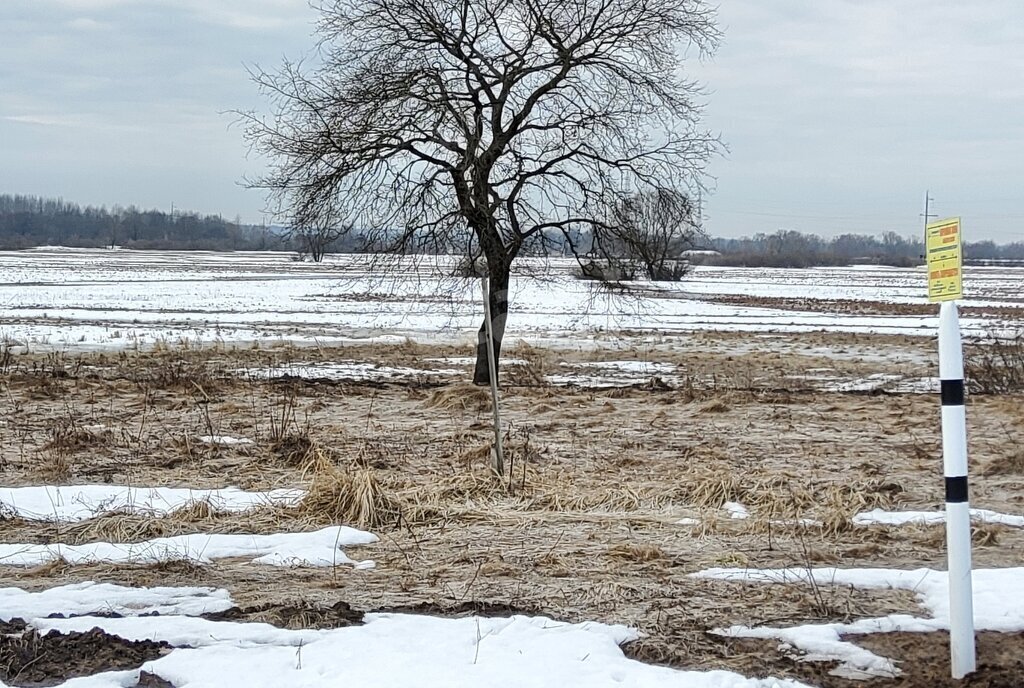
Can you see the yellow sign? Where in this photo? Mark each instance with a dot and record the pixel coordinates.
(945, 260)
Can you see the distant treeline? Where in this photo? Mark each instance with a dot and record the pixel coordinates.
(28, 221)
(788, 249)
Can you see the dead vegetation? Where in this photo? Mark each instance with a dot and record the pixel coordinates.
(348, 497)
(583, 525)
(995, 365)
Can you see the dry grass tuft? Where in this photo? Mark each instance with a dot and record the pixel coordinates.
(68, 437)
(714, 406)
(987, 534)
(933, 536)
(640, 553)
(54, 465)
(51, 569)
(299, 450)
(461, 397)
(120, 526)
(475, 455)
(713, 489)
(1008, 465)
(116, 527)
(349, 497)
(996, 365)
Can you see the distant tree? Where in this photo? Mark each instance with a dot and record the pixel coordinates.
(484, 126)
(649, 232)
(318, 233)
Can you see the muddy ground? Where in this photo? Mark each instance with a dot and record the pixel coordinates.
(584, 527)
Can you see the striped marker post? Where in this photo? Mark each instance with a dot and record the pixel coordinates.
(958, 516)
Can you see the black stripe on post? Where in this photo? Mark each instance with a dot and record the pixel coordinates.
(956, 490)
(952, 392)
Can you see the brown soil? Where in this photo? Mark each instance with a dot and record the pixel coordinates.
(585, 526)
(852, 306)
(31, 659)
(295, 616)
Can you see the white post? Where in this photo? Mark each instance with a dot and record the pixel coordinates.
(958, 517)
(499, 453)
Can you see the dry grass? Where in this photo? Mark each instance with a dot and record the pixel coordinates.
(461, 397)
(1011, 464)
(349, 497)
(996, 365)
(584, 527)
(637, 553)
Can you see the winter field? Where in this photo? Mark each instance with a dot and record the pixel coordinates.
(238, 469)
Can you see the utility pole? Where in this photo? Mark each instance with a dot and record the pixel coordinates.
(927, 204)
(700, 208)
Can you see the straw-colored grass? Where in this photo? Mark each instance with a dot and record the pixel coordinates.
(461, 397)
(349, 497)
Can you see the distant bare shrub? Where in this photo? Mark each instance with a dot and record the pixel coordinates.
(995, 365)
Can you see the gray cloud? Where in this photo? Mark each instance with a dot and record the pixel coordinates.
(838, 113)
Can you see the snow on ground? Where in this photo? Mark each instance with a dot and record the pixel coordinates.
(470, 361)
(984, 286)
(321, 548)
(899, 518)
(223, 440)
(94, 598)
(397, 651)
(736, 510)
(998, 606)
(80, 502)
(894, 383)
(605, 374)
(591, 374)
(345, 370)
(117, 299)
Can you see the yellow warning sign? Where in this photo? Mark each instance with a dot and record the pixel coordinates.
(945, 264)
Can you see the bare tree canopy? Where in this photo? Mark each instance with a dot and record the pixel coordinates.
(485, 126)
(315, 237)
(647, 234)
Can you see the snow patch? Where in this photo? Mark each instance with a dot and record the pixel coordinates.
(73, 503)
(400, 650)
(736, 510)
(344, 370)
(900, 518)
(223, 440)
(321, 548)
(997, 607)
(94, 598)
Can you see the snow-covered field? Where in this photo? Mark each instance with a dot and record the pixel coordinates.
(608, 468)
(83, 299)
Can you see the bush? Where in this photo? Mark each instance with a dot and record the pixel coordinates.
(995, 365)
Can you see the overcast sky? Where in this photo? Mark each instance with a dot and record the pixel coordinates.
(838, 114)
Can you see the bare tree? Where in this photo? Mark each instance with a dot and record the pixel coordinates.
(484, 126)
(317, 233)
(647, 233)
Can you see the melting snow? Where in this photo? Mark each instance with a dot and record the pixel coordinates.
(344, 370)
(394, 650)
(224, 440)
(899, 518)
(316, 549)
(94, 598)
(80, 502)
(736, 510)
(998, 606)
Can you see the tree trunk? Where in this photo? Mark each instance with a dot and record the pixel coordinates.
(497, 283)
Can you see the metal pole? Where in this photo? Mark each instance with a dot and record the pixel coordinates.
(958, 515)
(927, 207)
(499, 452)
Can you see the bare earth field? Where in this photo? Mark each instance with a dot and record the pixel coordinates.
(804, 430)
